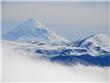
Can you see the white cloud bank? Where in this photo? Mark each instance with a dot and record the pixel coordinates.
(17, 67)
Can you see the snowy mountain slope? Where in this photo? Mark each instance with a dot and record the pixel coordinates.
(32, 31)
(98, 44)
(61, 54)
(52, 51)
(84, 59)
(48, 50)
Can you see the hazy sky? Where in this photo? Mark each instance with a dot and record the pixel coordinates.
(72, 20)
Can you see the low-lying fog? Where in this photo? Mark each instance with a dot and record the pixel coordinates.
(18, 67)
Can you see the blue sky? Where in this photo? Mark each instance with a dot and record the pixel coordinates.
(73, 20)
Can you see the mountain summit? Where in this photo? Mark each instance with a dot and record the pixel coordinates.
(98, 43)
(32, 31)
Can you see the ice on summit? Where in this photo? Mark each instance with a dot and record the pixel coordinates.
(98, 44)
(32, 31)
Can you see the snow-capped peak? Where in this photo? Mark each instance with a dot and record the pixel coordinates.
(98, 43)
(98, 39)
(30, 21)
(34, 23)
(34, 31)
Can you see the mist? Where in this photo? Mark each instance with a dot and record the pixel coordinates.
(19, 67)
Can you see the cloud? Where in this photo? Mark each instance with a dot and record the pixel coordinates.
(19, 67)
